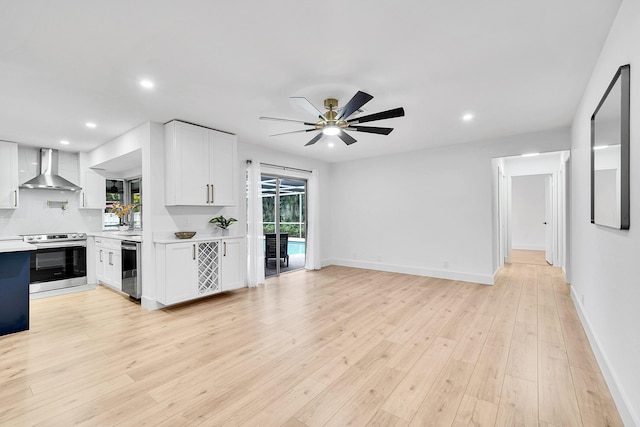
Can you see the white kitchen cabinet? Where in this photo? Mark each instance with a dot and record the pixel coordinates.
(109, 262)
(8, 175)
(180, 273)
(232, 263)
(197, 269)
(93, 193)
(200, 166)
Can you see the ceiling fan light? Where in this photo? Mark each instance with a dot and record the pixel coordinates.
(331, 130)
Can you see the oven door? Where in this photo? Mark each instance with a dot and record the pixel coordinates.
(57, 262)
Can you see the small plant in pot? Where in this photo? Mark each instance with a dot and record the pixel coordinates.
(223, 223)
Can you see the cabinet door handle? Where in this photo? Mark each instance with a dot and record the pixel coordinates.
(212, 194)
(208, 193)
(110, 258)
(100, 255)
(194, 251)
(15, 198)
(84, 203)
(224, 245)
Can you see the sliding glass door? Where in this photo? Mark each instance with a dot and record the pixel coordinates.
(284, 210)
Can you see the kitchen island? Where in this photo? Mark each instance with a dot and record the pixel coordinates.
(14, 286)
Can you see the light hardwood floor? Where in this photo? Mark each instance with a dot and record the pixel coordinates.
(521, 256)
(334, 347)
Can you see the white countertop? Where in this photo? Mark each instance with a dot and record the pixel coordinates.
(134, 236)
(15, 246)
(204, 237)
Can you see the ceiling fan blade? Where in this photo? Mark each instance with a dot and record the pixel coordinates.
(389, 114)
(304, 103)
(293, 131)
(315, 139)
(354, 104)
(286, 120)
(371, 129)
(348, 139)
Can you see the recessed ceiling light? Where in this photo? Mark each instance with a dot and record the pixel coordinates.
(64, 142)
(90, 125)
(147, 84)
(530, 154)
(331, 145)
(467, 117)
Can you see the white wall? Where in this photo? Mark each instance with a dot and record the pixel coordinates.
(605, 262)
(528, 212)
(428, 212)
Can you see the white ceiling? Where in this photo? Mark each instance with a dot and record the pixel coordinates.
(518, 66)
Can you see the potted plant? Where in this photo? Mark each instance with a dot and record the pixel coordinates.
(124, 212)
(223, 223)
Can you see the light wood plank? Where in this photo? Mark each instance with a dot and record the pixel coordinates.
(519, 403)
(475, 412)
(596, 405)
(557, 396)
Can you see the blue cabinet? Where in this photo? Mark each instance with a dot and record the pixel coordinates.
(14, 292)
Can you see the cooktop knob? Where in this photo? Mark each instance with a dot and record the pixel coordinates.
(73, 236)
(81, 235)
(38, 237)
(29, 237)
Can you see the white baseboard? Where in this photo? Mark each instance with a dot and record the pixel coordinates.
(629, 417)
(485, 279)
(529, 247)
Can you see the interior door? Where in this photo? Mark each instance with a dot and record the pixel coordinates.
(548, 219)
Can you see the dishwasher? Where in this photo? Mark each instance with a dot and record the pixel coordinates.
(131, 283)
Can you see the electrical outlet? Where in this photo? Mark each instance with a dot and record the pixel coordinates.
(445, 264)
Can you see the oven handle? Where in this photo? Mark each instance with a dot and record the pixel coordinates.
(81, 243)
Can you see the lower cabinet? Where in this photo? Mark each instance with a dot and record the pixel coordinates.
(109, 262)
(232, 263)
(197, 269)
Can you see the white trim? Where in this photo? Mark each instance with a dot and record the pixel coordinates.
(629, 418)
(528, 247)
(484, 279)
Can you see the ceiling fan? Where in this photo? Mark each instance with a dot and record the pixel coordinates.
(335, 121)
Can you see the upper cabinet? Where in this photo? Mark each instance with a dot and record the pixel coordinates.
(8, 175)
(93, 191)
(200, 166)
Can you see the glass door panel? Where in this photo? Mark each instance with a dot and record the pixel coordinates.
(284, 218)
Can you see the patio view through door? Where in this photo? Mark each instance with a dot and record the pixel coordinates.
(284, 213)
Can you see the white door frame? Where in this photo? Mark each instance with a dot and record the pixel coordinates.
(560, 193)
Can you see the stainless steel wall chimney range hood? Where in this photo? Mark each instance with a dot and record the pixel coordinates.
(49, 178)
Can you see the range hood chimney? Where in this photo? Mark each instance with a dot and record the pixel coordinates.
(49, 178)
